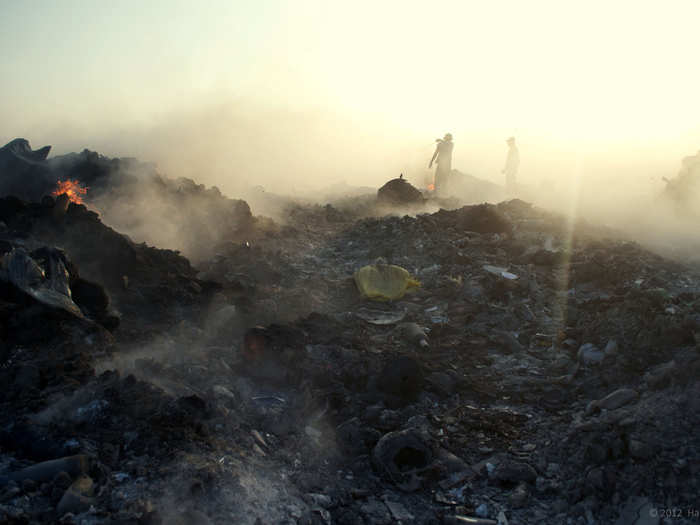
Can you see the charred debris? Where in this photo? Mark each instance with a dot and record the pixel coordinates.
(540, 372)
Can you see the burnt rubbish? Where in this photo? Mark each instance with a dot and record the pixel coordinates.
(542, 372)
(399, 191)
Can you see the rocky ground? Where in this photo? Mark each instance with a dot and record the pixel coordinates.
(544, 372)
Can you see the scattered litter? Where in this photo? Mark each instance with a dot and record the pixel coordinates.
(500, 395)
(270, 399)
(379, 317)
(258, 437)
(384, 282)
(312, 432)
(223, 391)
(482, 510)
(398, 511)
(120, 477)
(413, 333)
(498, 270)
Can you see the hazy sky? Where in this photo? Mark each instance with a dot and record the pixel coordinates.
(356, 90)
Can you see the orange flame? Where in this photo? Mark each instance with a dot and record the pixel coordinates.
(72, 188)
(431, 187)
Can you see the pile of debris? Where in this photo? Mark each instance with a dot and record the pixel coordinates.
(399, 192)
(132, 197)
(147, 284)
(23, 172)
(529, 371)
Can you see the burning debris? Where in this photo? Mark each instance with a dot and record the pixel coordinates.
(132, 197)
(72, 188)
(526, 380)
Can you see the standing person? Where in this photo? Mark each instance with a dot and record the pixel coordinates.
(512, 164)
(690, 165)
(443, 158)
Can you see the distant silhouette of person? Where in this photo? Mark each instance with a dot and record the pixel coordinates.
(512, 165)
(443, 158)
(684, 189)
(690, 165)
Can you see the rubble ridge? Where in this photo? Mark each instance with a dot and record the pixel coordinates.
(543, 371)
(132, 196)
(139, 279)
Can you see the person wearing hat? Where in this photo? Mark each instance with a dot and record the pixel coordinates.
(512, 164)
(443, 158)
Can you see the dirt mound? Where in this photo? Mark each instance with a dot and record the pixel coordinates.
(399, 191)
(481, 218)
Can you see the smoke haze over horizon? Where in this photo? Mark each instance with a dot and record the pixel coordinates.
(301, 96)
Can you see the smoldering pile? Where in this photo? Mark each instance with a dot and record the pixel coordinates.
(528, 376)
(139, 279)
(62, 310)
(132, 197)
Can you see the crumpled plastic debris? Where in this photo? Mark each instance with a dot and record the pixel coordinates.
(503, 272)
(384, 282)
(18, 268)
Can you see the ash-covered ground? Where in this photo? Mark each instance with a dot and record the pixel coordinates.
(545, 371)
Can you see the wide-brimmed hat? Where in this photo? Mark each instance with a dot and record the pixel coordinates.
(448, 136)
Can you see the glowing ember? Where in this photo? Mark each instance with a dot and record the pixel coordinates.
(431, 187)
(72, 188)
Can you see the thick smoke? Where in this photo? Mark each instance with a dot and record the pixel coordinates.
(273, 156)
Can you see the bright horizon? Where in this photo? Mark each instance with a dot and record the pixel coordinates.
(311, 93)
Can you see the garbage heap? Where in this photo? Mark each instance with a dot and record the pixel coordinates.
(132, 197)
(399, 192)
(513, 369)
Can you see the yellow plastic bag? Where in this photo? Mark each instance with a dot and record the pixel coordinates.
(384, 282)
